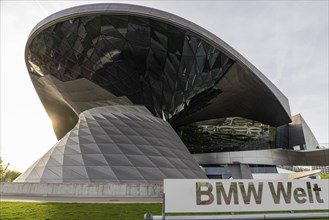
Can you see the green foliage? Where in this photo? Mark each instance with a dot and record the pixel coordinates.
(10, 175)
(94, 211)
(7, 175)
(1, 168)
(324, 176)
(30, 210)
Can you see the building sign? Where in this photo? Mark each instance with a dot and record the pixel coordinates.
(205, 195)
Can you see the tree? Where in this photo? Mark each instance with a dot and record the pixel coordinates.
(324, 176)
(7, 175)
(11, 175)
(1, 168)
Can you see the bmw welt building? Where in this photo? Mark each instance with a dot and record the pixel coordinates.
(138, 95)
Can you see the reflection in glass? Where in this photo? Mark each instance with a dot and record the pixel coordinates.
(233, 191)
(251, 189)
(280, 190)
(299, 193)
(153, 63)
(204, 189)
(227, 134)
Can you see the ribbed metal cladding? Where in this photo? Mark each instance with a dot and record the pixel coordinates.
(121, 144)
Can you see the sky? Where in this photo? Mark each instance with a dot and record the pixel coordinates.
(286, 40)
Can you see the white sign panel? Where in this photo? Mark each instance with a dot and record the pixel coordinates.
(207, 195)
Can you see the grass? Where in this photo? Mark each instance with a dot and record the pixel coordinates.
(93, 211)
(71, 211)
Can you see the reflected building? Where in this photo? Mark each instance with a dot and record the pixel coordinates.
(227, 134)
(137, 95)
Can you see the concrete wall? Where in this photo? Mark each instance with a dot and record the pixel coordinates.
(271, 157)
(82, 189)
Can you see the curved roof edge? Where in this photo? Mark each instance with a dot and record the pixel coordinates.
(127, 9)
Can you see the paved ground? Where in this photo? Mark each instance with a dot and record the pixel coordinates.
(80, 199)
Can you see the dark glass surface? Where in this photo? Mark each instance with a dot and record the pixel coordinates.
(223, 172)
(165, 68)
(282, 137)
(227, 134)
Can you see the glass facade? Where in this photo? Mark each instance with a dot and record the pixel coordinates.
(165, 68)
(223, 172)
(227, 134)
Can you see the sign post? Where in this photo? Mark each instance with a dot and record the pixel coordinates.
(219, 196)
(206, 195)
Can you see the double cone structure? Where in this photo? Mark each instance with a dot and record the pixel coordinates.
(116, 144)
